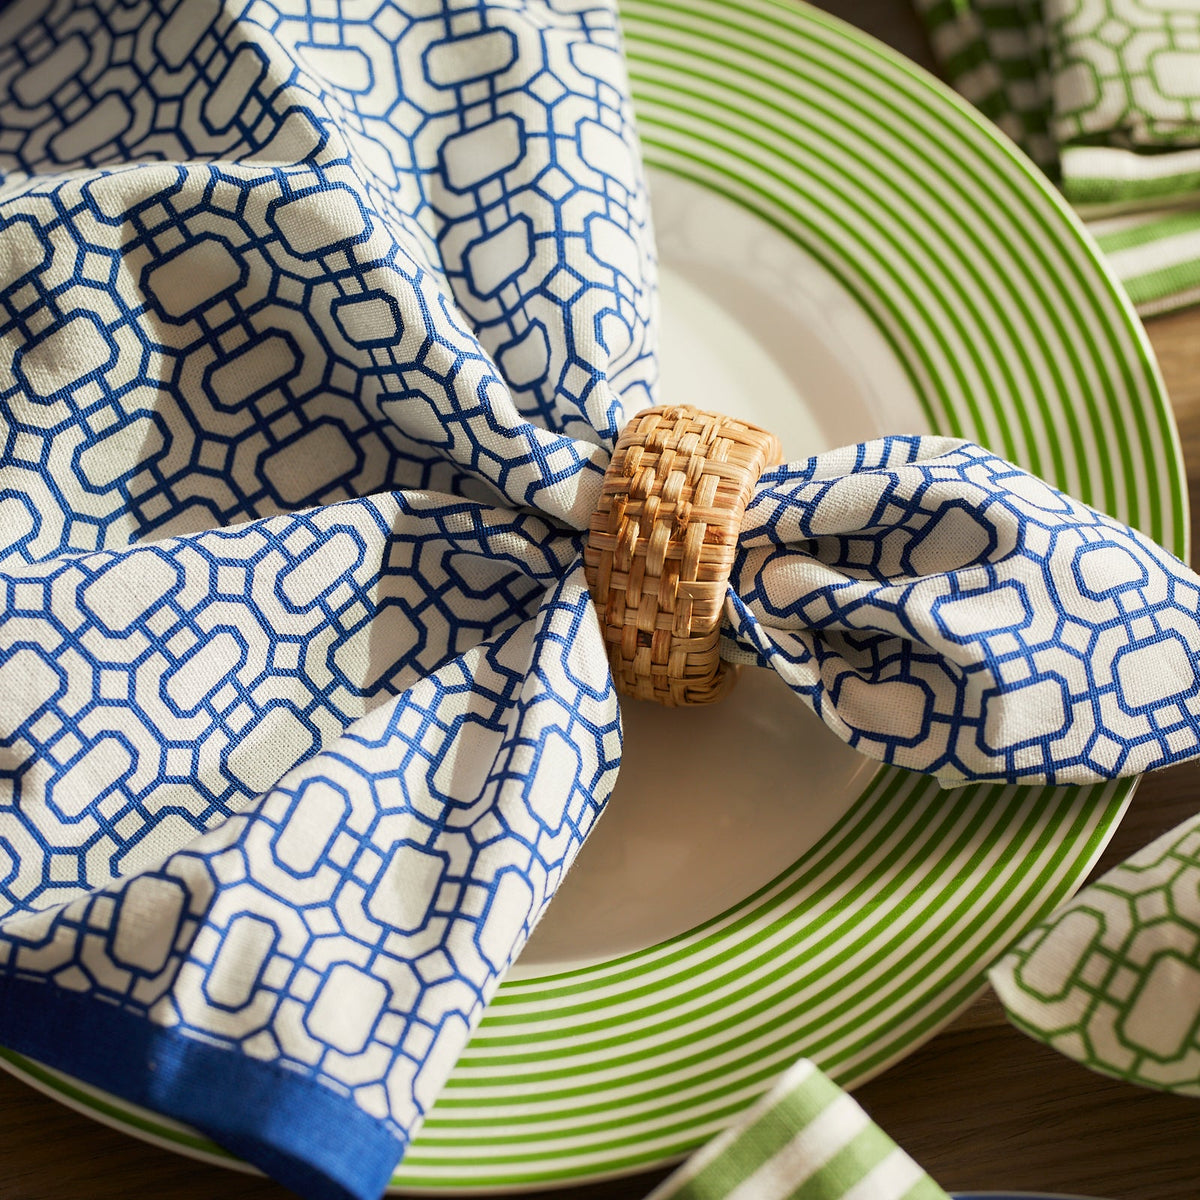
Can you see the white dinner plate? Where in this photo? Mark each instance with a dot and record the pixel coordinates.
(847, 251)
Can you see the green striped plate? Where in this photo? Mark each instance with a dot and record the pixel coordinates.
(1005, 323)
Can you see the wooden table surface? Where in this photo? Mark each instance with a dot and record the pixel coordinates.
(980, 1106)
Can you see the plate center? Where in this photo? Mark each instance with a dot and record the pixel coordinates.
(713, 803)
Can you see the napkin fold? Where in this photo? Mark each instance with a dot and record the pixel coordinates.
(943, 610)
(317, 333)
(805, 1137)
(298, 981)
(1113, 978)
(303, 314)
(1104, 95)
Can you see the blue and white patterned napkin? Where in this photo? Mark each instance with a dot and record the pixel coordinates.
(943, 610)
(317, 330)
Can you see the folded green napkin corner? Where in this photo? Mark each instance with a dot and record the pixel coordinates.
(1104, 95)
(804, 1138)
(1113, 978)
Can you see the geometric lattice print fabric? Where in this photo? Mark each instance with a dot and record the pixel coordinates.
(1105, 96)
(1113, 979)
(290, 302)
(317, 328)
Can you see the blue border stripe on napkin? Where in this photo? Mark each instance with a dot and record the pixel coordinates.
(305, 1135)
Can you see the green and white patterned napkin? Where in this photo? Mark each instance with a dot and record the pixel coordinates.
(804, 1138)
(1113, 979)
(1104, 95)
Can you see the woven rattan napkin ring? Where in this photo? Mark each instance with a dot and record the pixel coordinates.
(661, 545)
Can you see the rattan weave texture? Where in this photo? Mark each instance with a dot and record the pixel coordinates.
(661, 545)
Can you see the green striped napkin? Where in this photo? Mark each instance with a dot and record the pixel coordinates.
(1104, 95)
(805, 1139)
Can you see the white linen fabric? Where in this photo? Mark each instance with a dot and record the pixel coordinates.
(317, 330)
